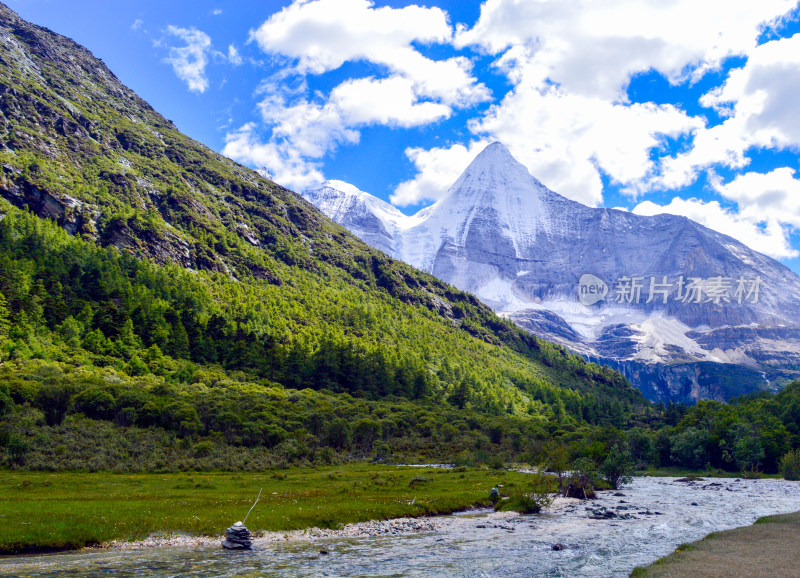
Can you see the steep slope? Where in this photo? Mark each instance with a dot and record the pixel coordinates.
(675, 292)
(235, 270)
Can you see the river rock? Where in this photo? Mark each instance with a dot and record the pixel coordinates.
(237, 537)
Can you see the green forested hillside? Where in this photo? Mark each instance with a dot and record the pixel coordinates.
(147, 281)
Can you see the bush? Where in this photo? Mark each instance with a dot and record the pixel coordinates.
(790, 465)
(95, 402)
(204, 449)
(583, 480)
(54, 400)
(617, 468)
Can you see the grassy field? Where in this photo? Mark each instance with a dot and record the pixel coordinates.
(767, 548)
(54, 511)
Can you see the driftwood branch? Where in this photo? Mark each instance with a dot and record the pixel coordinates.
(254, 505)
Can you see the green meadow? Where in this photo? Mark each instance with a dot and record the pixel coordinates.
(42, 511)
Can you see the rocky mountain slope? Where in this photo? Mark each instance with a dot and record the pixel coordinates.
(684, 311)
(235, 274)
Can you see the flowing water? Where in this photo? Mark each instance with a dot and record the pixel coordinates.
(663, 514)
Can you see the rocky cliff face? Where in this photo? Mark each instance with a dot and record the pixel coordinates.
(632, 290)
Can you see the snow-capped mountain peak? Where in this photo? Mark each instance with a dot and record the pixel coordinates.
(523, 249)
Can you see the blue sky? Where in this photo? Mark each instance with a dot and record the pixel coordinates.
(683, 107)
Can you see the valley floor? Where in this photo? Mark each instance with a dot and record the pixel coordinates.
(610, 536)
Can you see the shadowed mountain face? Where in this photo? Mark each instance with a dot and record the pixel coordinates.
(653, 296)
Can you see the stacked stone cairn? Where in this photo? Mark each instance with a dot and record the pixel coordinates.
(237, 537)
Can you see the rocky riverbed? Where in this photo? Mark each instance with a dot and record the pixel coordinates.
(605, 537)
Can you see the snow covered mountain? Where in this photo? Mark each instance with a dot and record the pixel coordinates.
(684, 311)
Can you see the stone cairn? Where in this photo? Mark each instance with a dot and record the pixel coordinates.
(237, 537)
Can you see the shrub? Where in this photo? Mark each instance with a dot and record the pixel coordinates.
(381, 450)
(496, 462)
(418, 480)
(583, 480)
(16, 447)
(790, 465)
(617, 468)
(95, 402)
(54, 400)
(203, 449)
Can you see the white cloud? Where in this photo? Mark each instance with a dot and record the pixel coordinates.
(761, 102)
(189, 61)
(216, 12)
(137, 24)
(406, 89)
(284, 163)
(772, 196)
(233, 55)
(311, 129)
(390, 101)
(324, 34)
(592, 47)
(437, 169)
(567, 116)
(768, 211)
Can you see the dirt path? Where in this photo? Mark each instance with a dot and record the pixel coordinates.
(769, 548)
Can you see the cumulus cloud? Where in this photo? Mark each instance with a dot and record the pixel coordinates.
(761, 106)
(762, 197)
(312, 129)
(565, 114)
(593, 47)
(568, 117)
(390, 101)
(437, 169)
(321, 35)
(766, 236)
(301, 133)
(566, 140)
(285, 164)
(190, 60)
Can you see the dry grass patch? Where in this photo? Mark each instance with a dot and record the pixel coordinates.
(768, 548)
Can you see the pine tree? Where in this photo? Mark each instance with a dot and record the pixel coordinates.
(4, 322)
